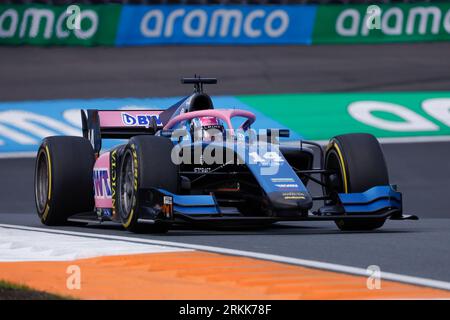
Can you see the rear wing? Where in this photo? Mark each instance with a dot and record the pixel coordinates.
(121, 124)
(118, 124)
(124, 124)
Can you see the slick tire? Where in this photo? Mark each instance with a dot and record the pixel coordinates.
(360, 165)
(63, 183)
(146, 163)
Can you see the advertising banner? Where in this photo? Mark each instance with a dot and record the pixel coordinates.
(407, 116)
(258, 24)
(124, 25)
(423, 116)
(24, 124)
(47, 25)
(392, 23)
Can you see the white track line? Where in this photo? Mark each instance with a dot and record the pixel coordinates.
(263, 256)
(415, 139)
(421, 139)
(18, 245)
(14, 155)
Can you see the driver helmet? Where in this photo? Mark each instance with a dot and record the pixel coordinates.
(207, 128)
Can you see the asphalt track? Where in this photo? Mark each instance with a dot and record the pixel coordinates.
(422, 170)
(60, 73)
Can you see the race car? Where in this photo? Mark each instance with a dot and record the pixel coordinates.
(194, 164)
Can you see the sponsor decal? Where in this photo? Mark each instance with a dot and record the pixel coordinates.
(275, 180)
(106, 212)
(140, 120)
(167, 208)
(113, 166)
(102, 183)
(135, 184)
(202, 170)
(266, 158)
(135, 172)
(286, 185)
(294, 196)
(215, 24)
(208, 121)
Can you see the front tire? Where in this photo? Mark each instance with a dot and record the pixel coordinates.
(63, 179)
(146, 163)
(360, 165)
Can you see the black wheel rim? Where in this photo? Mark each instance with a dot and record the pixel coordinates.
(126, 185)
(42, 182)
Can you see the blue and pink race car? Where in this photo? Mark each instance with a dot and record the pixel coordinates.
(194, 164)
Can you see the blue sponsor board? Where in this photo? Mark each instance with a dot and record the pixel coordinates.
(214, 24)
(24, 124)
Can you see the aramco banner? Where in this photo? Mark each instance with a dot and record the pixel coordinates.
(128, 25)
(382, 24)
(50, 25)
(141, 25)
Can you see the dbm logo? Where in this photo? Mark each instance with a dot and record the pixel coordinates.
(140, 120)
(101, 183)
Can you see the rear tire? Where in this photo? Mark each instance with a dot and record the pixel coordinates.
(146, 163)
(360, 165)
(63, 179)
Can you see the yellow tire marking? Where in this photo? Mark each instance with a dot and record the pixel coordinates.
(127, 224)
(342, 164)
(49, 173)
(44, 216)
(49, 193)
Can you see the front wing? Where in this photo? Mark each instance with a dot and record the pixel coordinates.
(158, 205)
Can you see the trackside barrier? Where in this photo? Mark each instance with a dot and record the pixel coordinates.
(124, 25)
(392, 23)
(47, 25)
(24, 124)
(397, 117)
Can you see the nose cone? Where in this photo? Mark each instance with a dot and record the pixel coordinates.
(290, 202)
